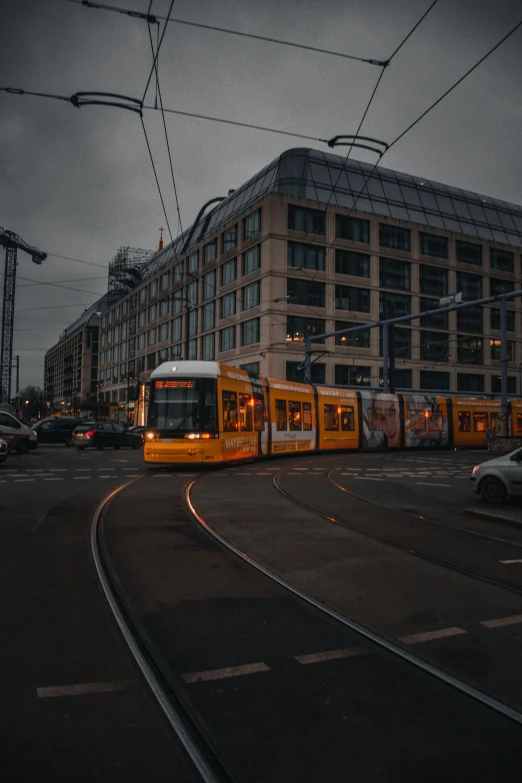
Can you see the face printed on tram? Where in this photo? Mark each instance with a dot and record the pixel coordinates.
(384, 415)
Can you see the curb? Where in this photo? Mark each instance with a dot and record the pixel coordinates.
(496, 517)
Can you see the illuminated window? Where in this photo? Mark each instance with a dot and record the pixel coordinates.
(464, 421)
(294, 415)
(519, 422)
(245, 413)
(280, 408)
(496, 346)
(359, 339)
(307, 416)
(347, 418)
(480, 422)
(229, 400)
(331, 418)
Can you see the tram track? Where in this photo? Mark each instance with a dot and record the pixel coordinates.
(408, 548)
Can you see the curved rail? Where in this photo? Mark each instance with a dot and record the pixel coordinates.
(380, 641)
(389, 542)
(178, 715)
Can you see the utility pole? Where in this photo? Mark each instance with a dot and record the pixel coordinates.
(17, 386)
(12, 243)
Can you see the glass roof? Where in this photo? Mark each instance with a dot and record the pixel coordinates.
(323, 176)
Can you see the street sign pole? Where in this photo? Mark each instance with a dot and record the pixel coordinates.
(503, 357)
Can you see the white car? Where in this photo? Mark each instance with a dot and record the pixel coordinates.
(19, 437)
(500, 478)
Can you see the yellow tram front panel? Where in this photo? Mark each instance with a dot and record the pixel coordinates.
(241, 412)
(472, 419)
(338, 423)
(292, 417)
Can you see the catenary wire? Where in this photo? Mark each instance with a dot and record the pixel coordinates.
(157, 180)
(228, 31)
(157, 51)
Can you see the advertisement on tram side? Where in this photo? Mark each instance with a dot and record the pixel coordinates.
(426, 422)
(381, 420)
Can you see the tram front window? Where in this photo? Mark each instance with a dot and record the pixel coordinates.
(183, 405)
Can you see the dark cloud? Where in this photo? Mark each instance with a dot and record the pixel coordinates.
(79, 182)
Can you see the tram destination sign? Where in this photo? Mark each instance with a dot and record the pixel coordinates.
(450, 299)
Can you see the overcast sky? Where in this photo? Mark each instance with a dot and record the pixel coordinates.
(79, 182)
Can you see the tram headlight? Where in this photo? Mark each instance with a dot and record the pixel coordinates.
(149, 435)
(201, 435)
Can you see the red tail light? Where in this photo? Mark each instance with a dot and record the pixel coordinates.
(90, 434)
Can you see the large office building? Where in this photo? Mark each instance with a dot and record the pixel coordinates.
(305, 247)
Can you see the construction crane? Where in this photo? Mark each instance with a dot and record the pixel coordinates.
(12, 243)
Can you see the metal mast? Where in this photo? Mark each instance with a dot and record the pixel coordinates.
(12, 243)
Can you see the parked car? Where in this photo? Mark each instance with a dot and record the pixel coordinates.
(105, 433)
(498, 479)
(137, 428)
(56, 430)
(3, 450)
(19, 437)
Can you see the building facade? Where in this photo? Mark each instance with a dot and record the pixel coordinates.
(305, 247)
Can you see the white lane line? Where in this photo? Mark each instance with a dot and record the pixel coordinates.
(301, 468)
(161, 475)
(508, 562)
(58, 470)
(415, 638)
(266, 474)
(35, 470)
(369, 478)
(82, 470)
(431, 484)
(21, 481)
(224, 674)
(81, 478)
(54, 479)
(105, 468)
(513, 620)
(120, 460)
(331, 655)
(373, 470)
(83, 689)
(130, 468)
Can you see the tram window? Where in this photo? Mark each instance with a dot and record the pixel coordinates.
(331, 418)
(245, 413)
(294, 414)
(464, 421)
(480, 422)
(519, 422)
(347, 418)
(229, 411)
(307, 416)
(280, 406)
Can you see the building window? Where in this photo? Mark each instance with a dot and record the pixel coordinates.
(209, 252)
(252, 225)
(132, 325)
(192, 293)
(300, 327)
(433, 280)
(152, 337)
(317, 373)
(165, 281)
(401, 379)
(351, 298)
(251, 295)
(125, 307)
(501, 259)
(252, 260)
(469, 253)
(116, 334)
(151, 361)
(177, 273)
(153, 313)
(350, 262)
(124, 328)
(252, 367)
(354, 229)
(305, 292)
(163, 333)
(177, 302)
(141, 341)
(495, 319)
(175, 351)
(163, 355)
(434, 346)
(468, 382)
(498, 287)
(193, 262)
(400, 337)
(142, 318)
(110, 317)
(353, 375)
(395, 237)
(470, 285)
(393, 305)
(250, 331)
(133, 301)
(153, 289)
(439, 321)
(229, 271)
(434, 381)
(302, 219)
(117, 313)
(193, 323)
(209, 285)
(142, 295)
(394, 274)
(132, 348)
(141, 364)
(470, 320)
(359, 339)
(176, 330)
(209, 316)
(496, 381)
(228, 305)
(229, 239)
(305, 256)
(495, 348)
(228, 338)
(207, 347)
(469, 350)
(104, 321)
(433, 245)
(193, 350)
(164, 306)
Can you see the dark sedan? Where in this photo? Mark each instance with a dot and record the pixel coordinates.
(102, 434)
(56, 430)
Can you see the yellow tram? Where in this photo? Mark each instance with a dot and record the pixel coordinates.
(206, 413)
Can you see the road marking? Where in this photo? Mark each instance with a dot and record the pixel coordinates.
(369, 478)
(331, 655)
(431, 484)
(415, 638)
(20, 481)
(81, 478)
(120, 460)
(83, 469)
(160, 475)
(105, 468)
(373, 470)
(54, 479)
(301, 468)
(508, 562)
(267, 474)
(513, 620)
(130, 468)
(83, 689)
(58, 470)
(223, 674)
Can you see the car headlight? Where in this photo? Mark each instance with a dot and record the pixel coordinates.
(475, 470)
(34, 433)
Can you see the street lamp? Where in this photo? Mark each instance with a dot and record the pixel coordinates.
(128, 378)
